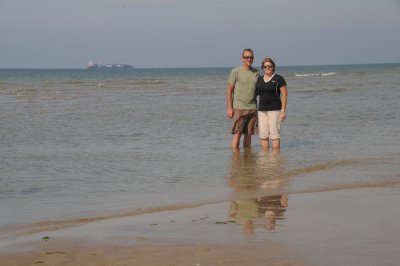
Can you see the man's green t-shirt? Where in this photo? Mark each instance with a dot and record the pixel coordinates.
(244, 82)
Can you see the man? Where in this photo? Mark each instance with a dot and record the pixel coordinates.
(241, 100)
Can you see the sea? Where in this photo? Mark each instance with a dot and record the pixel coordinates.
(90, 144)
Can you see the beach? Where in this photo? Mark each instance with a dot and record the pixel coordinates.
(340, 227)
(134, 167)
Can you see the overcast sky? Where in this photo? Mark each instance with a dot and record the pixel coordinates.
(197, 33)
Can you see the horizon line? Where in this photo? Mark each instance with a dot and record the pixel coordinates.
(182, 67)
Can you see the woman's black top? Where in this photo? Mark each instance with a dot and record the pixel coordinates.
(269, 93)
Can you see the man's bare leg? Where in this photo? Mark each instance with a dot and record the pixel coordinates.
(236, 141)
(247, 141)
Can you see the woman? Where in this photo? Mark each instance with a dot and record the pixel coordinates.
(272, 92)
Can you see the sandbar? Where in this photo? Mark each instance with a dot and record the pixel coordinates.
(342, 227)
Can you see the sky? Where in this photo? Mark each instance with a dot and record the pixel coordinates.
(197, 33)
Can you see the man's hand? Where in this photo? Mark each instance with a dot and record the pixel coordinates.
(229, 113)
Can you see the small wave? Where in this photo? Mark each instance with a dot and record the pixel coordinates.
(321, 167)
(51, 225)
(378, 184)
(74, 81)
(306, 75)
(328, 74)
(315, 74)
(147, 82)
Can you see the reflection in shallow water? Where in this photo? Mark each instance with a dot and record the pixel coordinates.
(252, 171)
(264, 212)
(274, 207)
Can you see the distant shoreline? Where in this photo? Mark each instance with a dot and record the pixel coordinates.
(216, 67)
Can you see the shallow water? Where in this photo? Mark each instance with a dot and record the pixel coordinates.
(84, 143)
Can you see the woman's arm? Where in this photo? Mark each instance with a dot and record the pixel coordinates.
(284, 96)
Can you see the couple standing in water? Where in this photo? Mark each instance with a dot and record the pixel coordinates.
(244, 85)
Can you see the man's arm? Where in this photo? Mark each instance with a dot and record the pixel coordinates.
(229, 94)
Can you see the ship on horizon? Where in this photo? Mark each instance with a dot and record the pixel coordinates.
(97, 64)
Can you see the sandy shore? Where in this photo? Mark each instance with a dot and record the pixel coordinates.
(342, 227)
(154, 254)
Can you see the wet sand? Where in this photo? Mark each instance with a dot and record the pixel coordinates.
(340, 227)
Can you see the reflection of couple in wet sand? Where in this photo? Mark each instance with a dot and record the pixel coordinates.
(268, 209)
(257, 173)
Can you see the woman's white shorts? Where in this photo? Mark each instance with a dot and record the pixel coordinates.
(269, 124)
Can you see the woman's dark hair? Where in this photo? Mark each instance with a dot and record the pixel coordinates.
(269, 60)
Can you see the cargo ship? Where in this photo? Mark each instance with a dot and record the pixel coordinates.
(95, 64)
